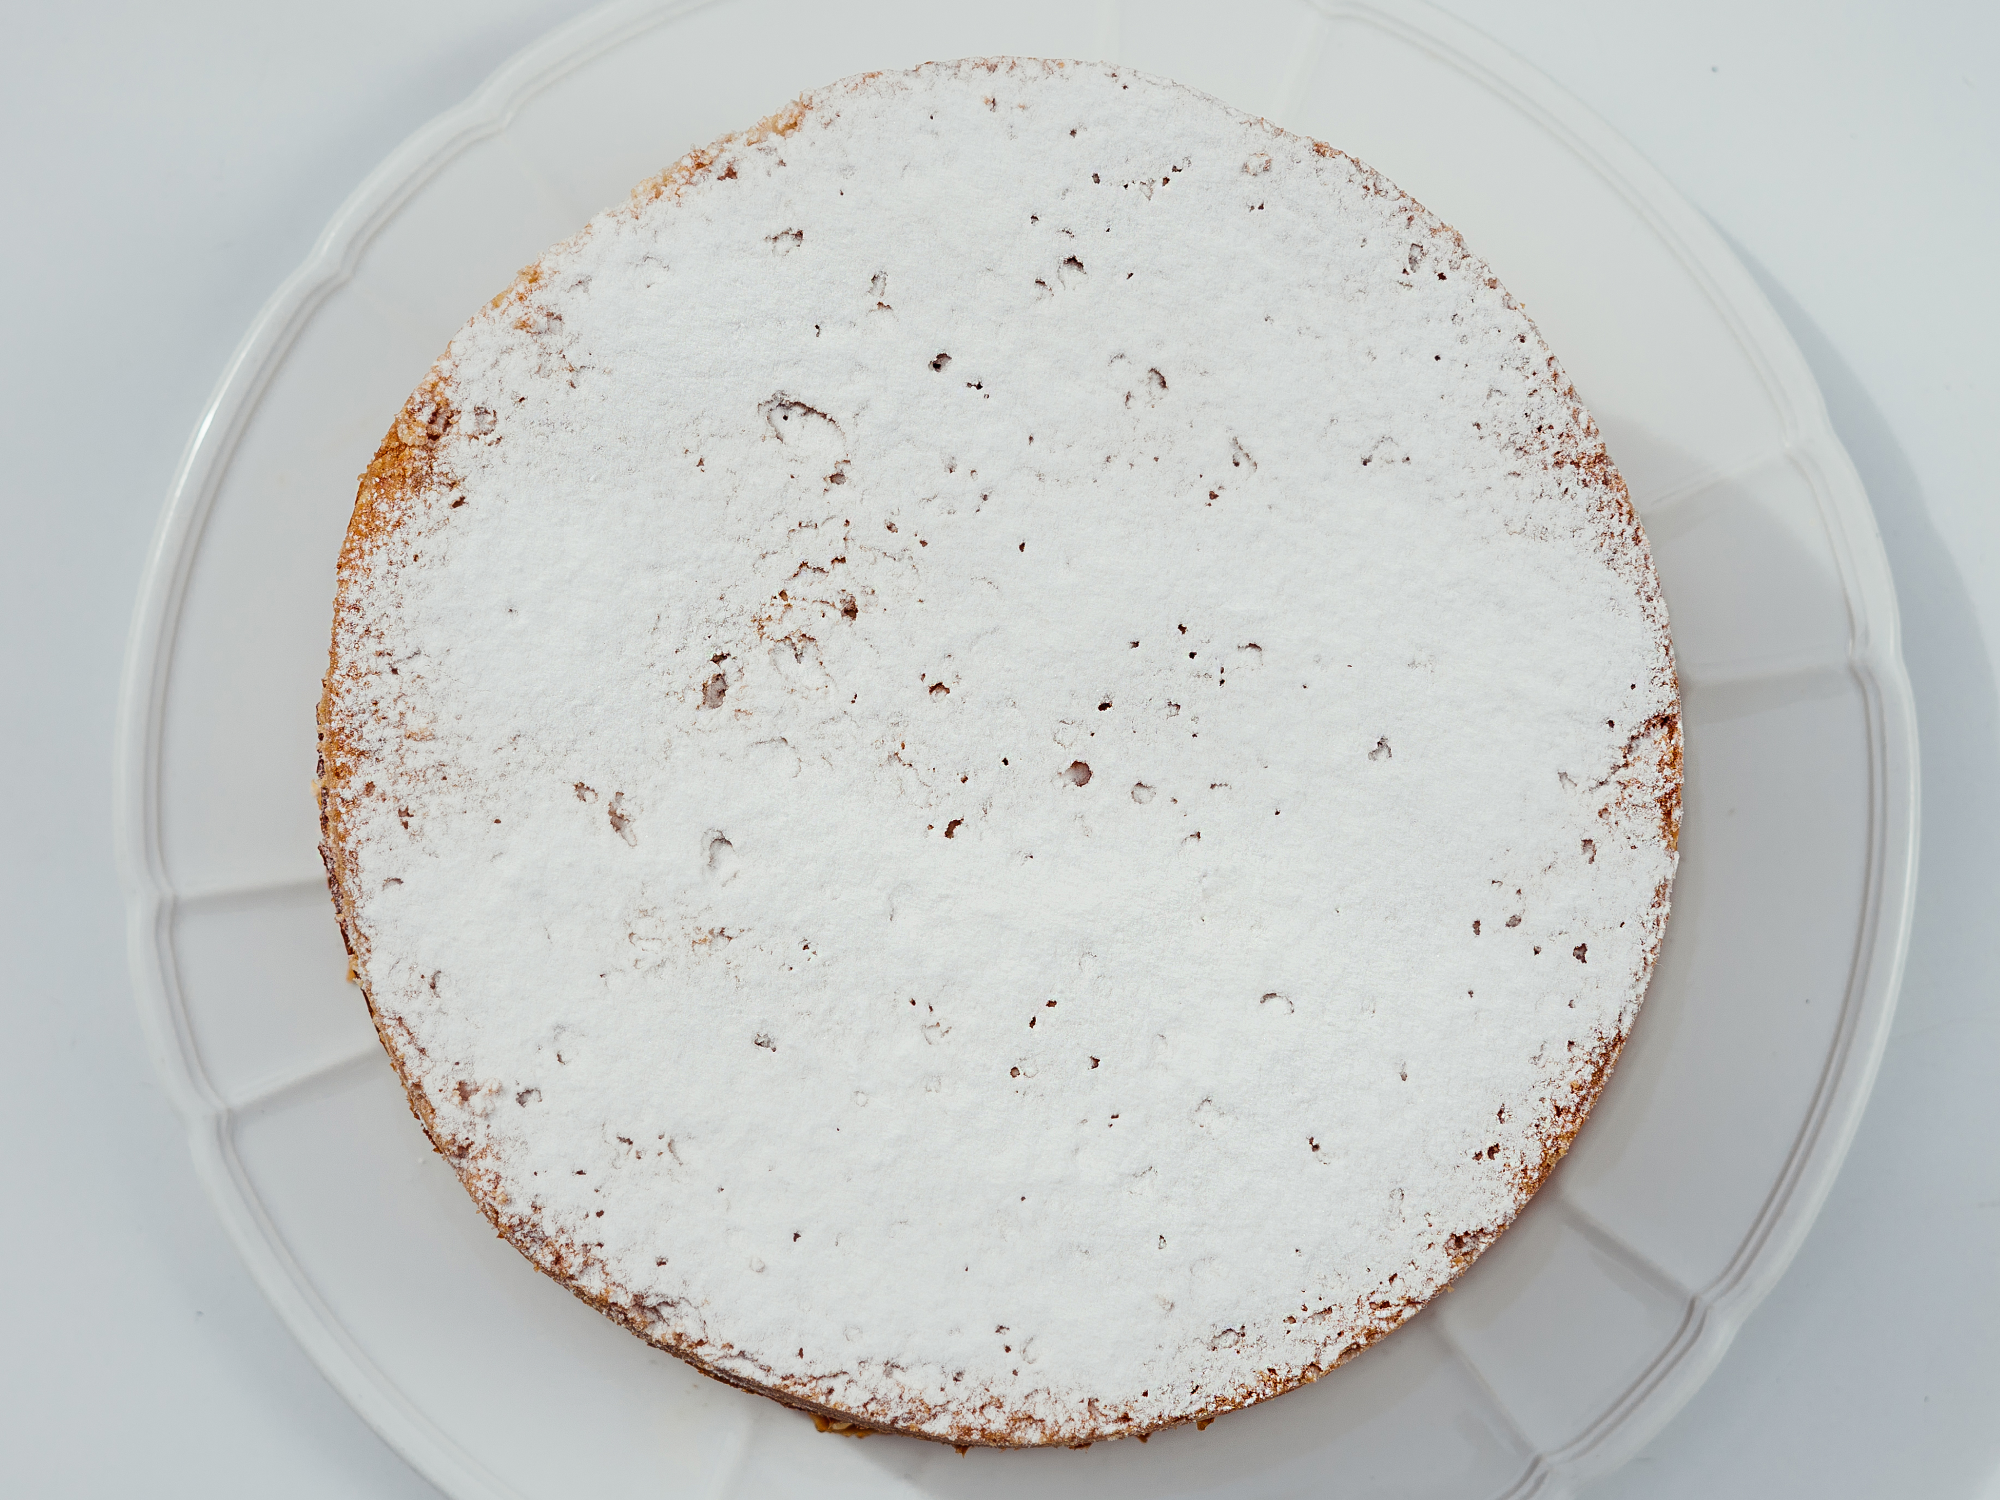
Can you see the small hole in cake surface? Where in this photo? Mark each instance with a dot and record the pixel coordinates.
(620, 819)
(1078, 774)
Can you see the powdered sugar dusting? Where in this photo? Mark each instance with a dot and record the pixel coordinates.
(1005, 759)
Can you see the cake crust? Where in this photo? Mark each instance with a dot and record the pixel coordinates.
(389, 802)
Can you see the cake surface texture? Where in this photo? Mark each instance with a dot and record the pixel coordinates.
(1005, 760)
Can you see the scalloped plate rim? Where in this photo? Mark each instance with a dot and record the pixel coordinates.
(1875, 661)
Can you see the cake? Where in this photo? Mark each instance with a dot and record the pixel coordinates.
(1003, 762)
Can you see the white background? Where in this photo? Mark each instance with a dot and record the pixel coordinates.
(164, 171)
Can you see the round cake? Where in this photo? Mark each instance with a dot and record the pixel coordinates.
(1003, 762)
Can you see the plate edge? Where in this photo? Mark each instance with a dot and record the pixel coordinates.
(1874, 658)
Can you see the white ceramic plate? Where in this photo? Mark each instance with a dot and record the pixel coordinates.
(1591, 1321)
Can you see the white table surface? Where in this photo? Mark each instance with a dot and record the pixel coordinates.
(164, 171)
